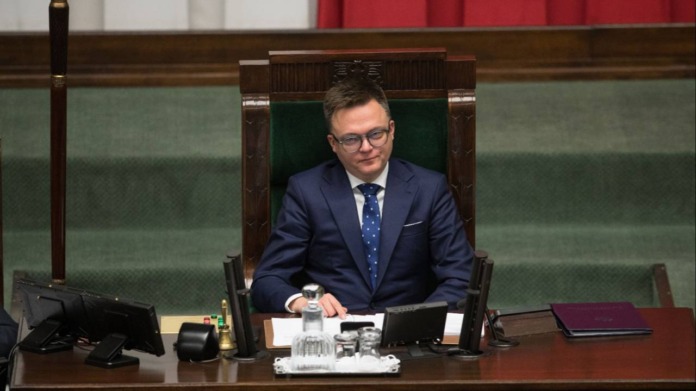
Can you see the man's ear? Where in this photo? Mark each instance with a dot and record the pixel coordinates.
(332, 142)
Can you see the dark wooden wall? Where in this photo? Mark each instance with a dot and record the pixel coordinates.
(212, 58)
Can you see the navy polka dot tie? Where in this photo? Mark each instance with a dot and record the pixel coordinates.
(370, 228)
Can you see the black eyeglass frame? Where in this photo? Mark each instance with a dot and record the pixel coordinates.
(368, 137)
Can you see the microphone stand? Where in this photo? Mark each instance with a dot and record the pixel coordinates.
(475, 309)
(496, 340)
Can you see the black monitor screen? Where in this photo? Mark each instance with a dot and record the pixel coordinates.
(60, 315)
(120, 323)
(415, 323)
(55, 314)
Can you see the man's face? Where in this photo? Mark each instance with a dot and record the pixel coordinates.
(368, 161)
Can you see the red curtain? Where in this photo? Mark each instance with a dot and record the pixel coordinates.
(504, 13)
(446, 13)
(372, 13)
(385, 13)
(627, 11)
(453, 13)
(683, 11)
(566, 12)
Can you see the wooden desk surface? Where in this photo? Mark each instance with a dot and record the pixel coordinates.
(663, 360)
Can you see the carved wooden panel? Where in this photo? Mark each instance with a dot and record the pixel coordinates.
(461, 164)
(416, 73)
(372, 70)
(256, 225)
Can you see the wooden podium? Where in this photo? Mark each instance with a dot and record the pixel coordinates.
(663, 360)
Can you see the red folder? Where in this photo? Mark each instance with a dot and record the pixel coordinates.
(600, 319)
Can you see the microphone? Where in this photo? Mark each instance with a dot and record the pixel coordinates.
(475, 310)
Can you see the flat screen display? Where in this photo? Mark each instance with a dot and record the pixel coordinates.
(414, 323)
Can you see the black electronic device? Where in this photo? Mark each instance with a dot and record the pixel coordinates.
(55, 315)
(59, 315)
(118, 324)
(197, 342)
(475, 308)
(241, 319)
(414, 324)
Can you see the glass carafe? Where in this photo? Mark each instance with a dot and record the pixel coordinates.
(313, 349)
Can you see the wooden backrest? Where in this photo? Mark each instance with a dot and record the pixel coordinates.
(431, 97)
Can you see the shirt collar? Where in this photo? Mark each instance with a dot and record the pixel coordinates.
(381, 179)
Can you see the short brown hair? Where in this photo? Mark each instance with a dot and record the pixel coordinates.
(352, 92)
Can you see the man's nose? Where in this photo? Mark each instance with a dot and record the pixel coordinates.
(365, 143)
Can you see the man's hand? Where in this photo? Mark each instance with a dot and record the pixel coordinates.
(328, 303)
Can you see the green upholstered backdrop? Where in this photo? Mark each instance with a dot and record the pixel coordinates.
(575, 181)
(523, 285)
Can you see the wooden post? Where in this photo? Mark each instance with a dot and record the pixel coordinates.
(58, 12)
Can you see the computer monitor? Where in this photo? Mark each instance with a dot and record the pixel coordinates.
(414, 324)
(118, 324)
(59, 316)
(55, 314)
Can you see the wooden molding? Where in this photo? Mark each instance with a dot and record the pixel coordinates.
(212, 58)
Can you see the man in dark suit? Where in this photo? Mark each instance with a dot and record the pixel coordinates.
(419, 252)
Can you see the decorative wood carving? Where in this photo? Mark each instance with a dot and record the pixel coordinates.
(256, 171)
(358, 69)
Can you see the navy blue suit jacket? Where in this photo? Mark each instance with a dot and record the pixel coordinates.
(424, 253)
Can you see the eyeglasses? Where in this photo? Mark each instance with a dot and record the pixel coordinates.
(352, 142)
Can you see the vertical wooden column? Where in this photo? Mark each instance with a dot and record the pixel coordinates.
(256, 128)
(461, 86)
(58, 12)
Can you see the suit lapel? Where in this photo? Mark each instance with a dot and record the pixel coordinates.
(399, 196)
(339, 196)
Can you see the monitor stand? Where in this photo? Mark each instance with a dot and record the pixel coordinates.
(108, 353)
(494, 340)
(45, 339)
(416, 351)
(234, 355)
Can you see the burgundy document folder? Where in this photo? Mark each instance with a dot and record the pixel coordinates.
(599, 319)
